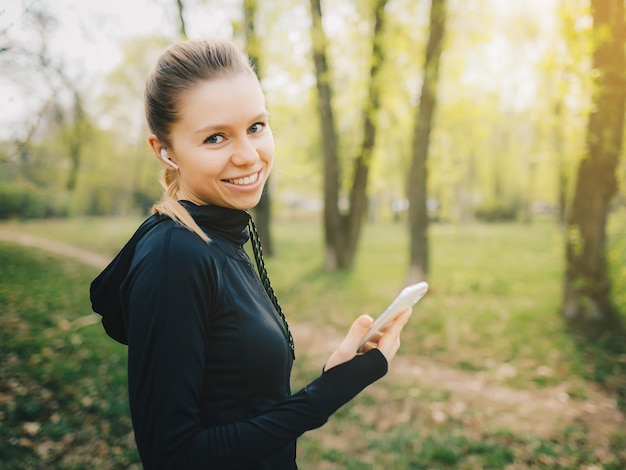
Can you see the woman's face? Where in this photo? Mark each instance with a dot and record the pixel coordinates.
(222, 143)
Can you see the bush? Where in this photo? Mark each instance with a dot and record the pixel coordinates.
(23, 202)
(497, 211)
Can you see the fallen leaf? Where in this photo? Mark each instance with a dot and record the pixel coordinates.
(44, 448)
(31, 428)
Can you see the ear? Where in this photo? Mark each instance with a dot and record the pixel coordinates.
(161, 152)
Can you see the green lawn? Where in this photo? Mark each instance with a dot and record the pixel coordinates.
(493, 306)
(63, 397)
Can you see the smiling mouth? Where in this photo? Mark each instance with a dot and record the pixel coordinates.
(245, 180)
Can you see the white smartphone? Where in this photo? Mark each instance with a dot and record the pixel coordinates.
(408, 297)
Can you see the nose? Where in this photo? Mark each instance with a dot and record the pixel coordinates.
(245, 152)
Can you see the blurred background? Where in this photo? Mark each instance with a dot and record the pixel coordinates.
(513, 93)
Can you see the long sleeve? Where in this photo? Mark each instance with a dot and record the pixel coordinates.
(244, 444)
(172, 309)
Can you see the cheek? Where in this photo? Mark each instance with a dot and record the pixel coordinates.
(267, 149)
(203, 166)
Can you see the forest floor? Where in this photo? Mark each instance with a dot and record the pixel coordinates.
(540, 412)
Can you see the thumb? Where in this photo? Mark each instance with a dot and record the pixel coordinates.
(357, 331)
(347, 348)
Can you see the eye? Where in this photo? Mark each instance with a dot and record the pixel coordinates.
(256, 127)
(214, 139)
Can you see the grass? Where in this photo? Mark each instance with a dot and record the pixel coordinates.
(492, 287)
(63, 394)
(492, 313)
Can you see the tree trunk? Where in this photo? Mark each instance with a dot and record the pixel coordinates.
(587, 305)
(76, 141)
(557, 135)
(343, 232)
(418, 176)
(182, 28)
(262, 212)
(329, 140)
(358, 193)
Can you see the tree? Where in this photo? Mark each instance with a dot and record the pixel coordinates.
(329, 138)
(587, 305)
(263, 209)
(342, 231)
(418, 176)
(76, 139)
(566, 75)
(133, 175)
(63, 108)
(182, 26)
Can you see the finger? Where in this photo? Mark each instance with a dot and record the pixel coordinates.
(400, 321)
(390, 341)
(375, 338)
(394, 328)
(389, 323)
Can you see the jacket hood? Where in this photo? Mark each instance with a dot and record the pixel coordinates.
(104, 289)
(106, 300)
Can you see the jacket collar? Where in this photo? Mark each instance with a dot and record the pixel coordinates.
(231, 224)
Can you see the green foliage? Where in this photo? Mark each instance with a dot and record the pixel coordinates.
(116, 179)
(616, 255)
(497, 211)
(22, 201)
(493, 116)
(122, 98)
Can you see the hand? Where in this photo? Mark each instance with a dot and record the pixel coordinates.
(387, 341)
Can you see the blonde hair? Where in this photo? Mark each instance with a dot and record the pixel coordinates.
(180, 68)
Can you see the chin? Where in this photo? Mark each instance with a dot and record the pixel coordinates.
(249, 204)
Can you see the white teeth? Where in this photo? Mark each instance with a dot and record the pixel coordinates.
(247, 180)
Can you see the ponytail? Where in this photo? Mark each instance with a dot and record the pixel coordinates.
(170, 206)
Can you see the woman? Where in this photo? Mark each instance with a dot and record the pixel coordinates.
(209, 350)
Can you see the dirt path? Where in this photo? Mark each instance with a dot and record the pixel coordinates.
(63, 249)
(495, 406)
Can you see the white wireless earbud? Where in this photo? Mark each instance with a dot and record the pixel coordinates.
(167, 160)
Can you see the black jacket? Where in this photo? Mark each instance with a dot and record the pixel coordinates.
(208, 359)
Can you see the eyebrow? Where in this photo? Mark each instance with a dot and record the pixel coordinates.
(210, 127)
